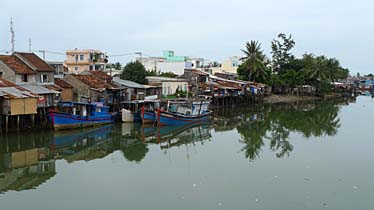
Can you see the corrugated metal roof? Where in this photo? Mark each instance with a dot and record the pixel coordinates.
(14, 92)
(37, 89)
(128, 83)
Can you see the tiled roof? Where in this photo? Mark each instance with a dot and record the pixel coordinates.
(93, 82)
(6, 83)
(61, 83)
(100, 74)
(36, 61)
(53, 87)
(16, 64)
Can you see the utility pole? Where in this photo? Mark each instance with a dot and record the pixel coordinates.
(29, 44)
(12, 40)
(140, 56)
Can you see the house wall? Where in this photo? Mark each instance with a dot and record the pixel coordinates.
(20, 106)
(85, 63)
(79, 88)
(175, 67)
(30, 78)
(7, 73)
(169, 88)
(50, 77)
(67, 94)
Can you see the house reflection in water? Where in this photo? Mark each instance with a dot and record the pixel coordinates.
(27, 169)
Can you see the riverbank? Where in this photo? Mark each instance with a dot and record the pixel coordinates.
(273, 99)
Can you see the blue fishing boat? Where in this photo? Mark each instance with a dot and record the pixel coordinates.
(70, 115)
(139, 111)
(179, 113)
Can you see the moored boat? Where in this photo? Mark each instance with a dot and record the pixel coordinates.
(139, 111)
(183, 112)
(70, 115)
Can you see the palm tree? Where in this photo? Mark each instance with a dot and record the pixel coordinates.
(319, 71)
(254, 62)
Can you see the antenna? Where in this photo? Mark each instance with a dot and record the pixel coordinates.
(12, 41)
(29, 44)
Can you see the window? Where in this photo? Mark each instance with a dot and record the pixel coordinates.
(76, 58)
(81, 57)
(1, 74)
(91, 67)
(24, 77)
(43, 78)
(76, 68)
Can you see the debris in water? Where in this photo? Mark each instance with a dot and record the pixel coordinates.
(306, 179)
(256, 200)
(325, 205)
(219, 204)
(355, 187)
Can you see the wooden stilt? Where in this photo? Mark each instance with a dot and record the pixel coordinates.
(18, 122)
(6, 123)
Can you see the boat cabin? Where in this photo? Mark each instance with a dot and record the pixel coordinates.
(82, 109)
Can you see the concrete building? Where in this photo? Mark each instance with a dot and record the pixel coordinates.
(169, 85)
(169, 62)
(59, 69)
(78, 61)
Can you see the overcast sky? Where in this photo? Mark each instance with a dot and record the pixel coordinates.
(213, 29)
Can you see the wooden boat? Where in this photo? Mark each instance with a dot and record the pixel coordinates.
(139, 110)
(179, 113)
(70, 115)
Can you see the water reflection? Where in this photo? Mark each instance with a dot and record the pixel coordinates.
(274, 123)
(28, 160)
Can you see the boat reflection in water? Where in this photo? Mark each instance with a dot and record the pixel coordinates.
(82, 144)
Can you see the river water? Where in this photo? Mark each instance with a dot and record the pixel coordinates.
(293, 156)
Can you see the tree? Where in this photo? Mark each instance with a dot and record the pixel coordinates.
(280, 50)
(134, 71)
(254, 66)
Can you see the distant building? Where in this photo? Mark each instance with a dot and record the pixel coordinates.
(78, 61)
(59, 69)
(169, 62)
(228, 66)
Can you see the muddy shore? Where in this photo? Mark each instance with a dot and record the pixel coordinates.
(273, 99)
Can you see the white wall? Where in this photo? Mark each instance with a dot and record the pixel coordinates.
(175, 67)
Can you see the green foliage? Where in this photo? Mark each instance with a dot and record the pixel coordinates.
(116, 66)
(134, 71)
(254, 68)
(289, 71)
(161, 74)
(280, 50)
(277, 121)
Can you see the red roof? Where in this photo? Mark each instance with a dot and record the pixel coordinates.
(16, 64)
(6, 83)
(93, 82)
(36, 61)
(61, 83)
(100, 74)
